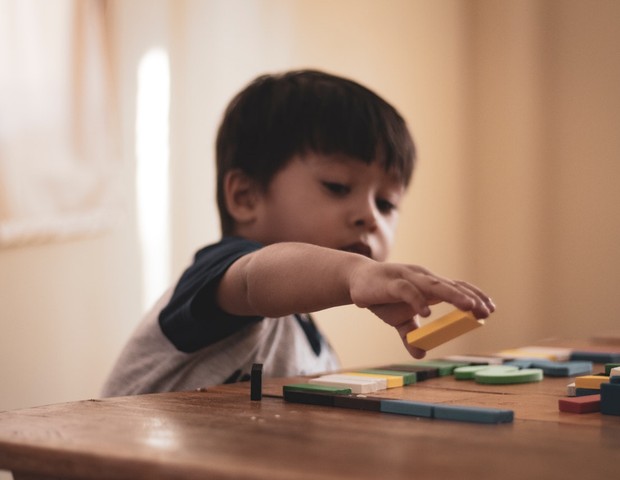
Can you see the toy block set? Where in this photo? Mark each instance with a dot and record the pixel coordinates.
(594, 393)
(369, 389)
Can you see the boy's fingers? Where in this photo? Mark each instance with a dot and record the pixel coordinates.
(479, 293)
(408, 292)
(403, 329)
(461, 294)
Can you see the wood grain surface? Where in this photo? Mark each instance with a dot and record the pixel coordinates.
(221, 433)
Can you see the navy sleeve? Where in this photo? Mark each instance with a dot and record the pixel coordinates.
(192, 320)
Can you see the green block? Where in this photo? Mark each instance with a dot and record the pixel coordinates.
(496, 377)
(310, 387)
(445, 367)
(469, 372)
(609, 366)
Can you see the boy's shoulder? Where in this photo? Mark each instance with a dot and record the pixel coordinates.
(227, 246)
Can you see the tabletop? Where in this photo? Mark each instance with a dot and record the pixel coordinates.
(220, 433)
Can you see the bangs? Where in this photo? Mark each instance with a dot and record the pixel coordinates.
(345, 117)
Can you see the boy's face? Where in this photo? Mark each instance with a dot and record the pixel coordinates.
(333, 201)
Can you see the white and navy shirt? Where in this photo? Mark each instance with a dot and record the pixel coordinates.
(187, 342)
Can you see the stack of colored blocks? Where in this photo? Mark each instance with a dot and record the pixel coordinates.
(593, 393)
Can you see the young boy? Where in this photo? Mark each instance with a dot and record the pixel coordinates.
(311, 171)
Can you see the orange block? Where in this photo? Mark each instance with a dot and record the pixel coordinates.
(443, 329)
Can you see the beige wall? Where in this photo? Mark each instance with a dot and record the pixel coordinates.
(515, 108)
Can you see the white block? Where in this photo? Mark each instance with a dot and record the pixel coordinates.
(357, 384)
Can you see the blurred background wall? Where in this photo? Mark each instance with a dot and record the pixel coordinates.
(515, 108)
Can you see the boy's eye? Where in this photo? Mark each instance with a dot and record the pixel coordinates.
(385, 206)
(337, 188)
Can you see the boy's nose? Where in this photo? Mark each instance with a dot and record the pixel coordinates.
(366, 217)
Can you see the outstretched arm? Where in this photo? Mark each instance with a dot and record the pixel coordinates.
(286, 278)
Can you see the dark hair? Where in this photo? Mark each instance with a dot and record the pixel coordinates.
(279, 116)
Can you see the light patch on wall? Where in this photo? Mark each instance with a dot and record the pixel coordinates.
(152, 177)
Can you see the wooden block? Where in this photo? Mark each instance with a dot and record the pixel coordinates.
(520, 362)
(613, 372)
(443, 367)
(585, 404)
(408, 377)
(592, 382)
(356, 384)
(563, 369)
(308, 397)
(596, 357)
(610, 399)
(472, 414)
(308, 387)
(571, 390)
(610, 366)
(584, 392)
(358, 402)
(391, 380)
(422, 373)
(535, 352)
(256, 382)
(407, 407)
(474, 359)
(443, 329)
(469, 372)
(498, 377)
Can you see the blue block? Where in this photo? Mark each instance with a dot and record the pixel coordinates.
(520, 362)
(563, 369)
(610, 398)
(582, 392)
(596, 357)
(614, 379)
(473, 414)
(406, 407)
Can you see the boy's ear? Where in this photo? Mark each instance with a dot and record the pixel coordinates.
(242, 195)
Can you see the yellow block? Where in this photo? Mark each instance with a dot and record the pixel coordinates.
(518, 353)
(443, 329)
(392, 381)
(548, 353)
(592, 382)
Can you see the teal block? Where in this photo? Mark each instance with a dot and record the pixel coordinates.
(406, 407)
(472, 414)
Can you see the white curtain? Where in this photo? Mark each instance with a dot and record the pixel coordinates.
(59, 160)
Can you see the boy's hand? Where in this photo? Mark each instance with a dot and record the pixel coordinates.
(397, 293)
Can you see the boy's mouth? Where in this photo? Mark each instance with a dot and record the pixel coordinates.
(359, 248)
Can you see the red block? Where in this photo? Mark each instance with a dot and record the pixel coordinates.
(585, 404)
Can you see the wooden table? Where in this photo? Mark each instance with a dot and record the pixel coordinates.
(221, 433)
